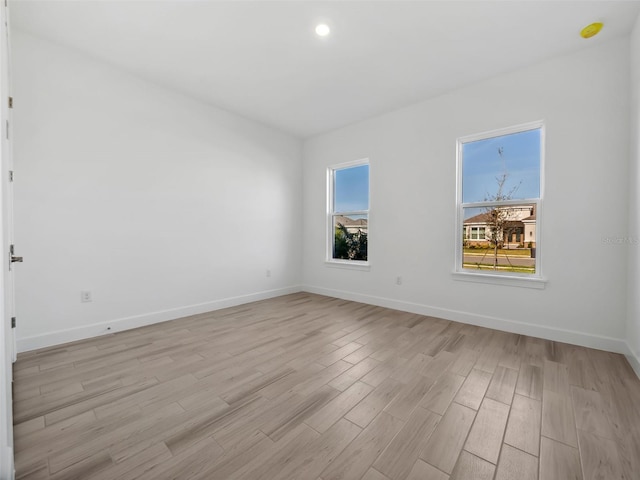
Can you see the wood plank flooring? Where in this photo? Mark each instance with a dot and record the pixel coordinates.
(310, 387)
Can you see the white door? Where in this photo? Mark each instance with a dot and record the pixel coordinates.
(7, 337)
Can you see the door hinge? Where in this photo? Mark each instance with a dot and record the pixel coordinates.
(13, 322)
(11, 175)
(10, 102)
(12, 257)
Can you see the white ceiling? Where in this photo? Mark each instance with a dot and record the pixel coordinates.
(262, 59)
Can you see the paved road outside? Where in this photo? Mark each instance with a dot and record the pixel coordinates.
(514, 261)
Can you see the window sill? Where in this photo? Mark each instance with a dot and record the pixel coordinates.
(348, 264)
(505, 280)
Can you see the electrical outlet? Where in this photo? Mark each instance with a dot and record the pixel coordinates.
(85, 296)
(268, 273)
(398, 280)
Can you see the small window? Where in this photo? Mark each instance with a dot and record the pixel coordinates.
(499, 197)
(348, 221)
(478, 233)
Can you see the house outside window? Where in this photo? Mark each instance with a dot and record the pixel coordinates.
(499, 200)
(348, 213)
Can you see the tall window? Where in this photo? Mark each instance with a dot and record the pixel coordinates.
(499, 197)
(348, 219)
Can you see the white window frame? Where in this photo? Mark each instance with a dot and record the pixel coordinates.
(477, 233)
(535, 280)
(336, 262)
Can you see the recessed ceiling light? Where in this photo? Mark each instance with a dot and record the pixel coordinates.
(591, 30)
(322, 30)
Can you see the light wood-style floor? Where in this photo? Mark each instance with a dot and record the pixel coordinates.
(308, 387)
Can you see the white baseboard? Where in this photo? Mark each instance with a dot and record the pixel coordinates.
(540, 331)
(117, 325)
(633, 359)
(550, 333)
(7, 468)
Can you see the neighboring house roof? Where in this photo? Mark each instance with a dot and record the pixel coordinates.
(350, 222)
(516, 214)
(480, 218)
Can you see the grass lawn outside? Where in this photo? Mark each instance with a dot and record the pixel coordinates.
(520, 252)
(482, 266)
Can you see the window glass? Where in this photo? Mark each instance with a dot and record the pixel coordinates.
(351, 189)
(348, 234)
(499, 202)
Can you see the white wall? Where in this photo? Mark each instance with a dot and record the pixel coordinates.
(163, 206)
(633, 315)
(159, 205)
(584, 100)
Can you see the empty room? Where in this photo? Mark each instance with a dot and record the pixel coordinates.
(320, 240)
